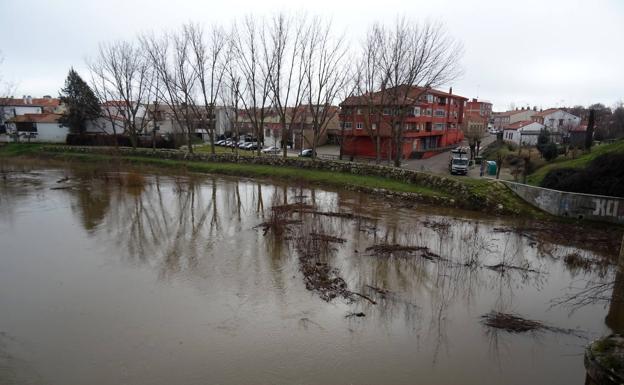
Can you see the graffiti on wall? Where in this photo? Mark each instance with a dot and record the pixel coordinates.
(608, 208)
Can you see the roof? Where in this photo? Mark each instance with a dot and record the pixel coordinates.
(547, 112)
(34, 102)
(36, 118)
(580, 128)
(509, 113)
(408, 94)
(518, 125)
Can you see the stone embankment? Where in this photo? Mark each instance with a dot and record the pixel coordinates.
(456, 192)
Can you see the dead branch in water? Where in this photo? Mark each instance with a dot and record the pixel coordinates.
(516, 324)
(389, 250)
(503, 267)
(360, 314)
(327, 238)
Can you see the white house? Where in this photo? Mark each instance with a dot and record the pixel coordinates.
(523, 133)
(38, 128)
(557, 120)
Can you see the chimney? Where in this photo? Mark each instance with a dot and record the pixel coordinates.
(25, 100)
(29, 99)
(451, 91)
(474, 100)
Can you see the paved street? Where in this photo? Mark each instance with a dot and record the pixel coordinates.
(437, 164)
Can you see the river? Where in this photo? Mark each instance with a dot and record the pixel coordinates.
(144, 277)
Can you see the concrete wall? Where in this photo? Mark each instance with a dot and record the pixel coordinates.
(575, 205)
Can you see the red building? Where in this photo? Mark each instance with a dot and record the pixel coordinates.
(432, 121)
(479, 107)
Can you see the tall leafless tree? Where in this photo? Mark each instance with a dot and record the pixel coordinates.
(398, 65)
(209, 57)
(327, 76)
(254, 66)
(170, 58)
(122, 79)
(286, 48)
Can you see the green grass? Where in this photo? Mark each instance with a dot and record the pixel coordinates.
(482, 194)
(17, 149)
(580, 162)
(254, 170)
(221, 150)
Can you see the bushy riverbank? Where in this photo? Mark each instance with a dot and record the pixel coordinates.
(481, 195)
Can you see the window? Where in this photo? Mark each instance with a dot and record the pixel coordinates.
(439, 126)
(440, 113)
(428, 112)
(560, 122)
(386, 111)
(348, 125)
(416, 111)
(359, 125)
(429, 98)
(374, 126)
(359, 111)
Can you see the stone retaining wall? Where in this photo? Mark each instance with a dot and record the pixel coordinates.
(568, 204)
(448, 185)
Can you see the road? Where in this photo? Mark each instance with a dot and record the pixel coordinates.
(438, 164)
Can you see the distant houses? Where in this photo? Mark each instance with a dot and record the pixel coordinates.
(523, 126)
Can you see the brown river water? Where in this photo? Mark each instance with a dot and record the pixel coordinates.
(143, 277)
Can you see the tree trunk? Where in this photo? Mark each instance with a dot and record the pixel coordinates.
(377, 148)
(589, 136)
(399, 147)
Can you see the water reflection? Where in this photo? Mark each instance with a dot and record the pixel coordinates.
(207, 233)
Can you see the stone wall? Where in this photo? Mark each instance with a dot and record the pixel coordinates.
(448, 185)
(568, 204)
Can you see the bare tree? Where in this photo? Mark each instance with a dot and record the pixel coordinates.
(415, 56)
(370, 84)
(286, 47)
(208, 61)
(255, 68)
(170, 57)
(122, 81)
(327, 76)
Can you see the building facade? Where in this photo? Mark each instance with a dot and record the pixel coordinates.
(431, 122)
(480, 108)
(556, 120)
(523, 133)
(503, 119)
(38, 128)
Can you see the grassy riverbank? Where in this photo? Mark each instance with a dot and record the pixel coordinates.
(482, 195)
(580, 161)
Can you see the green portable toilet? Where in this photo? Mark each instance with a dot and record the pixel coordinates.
(491, 167)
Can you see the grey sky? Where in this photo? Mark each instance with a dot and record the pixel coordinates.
(544, 53)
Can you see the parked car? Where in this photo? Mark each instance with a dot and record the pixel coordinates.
(228, 143)
(250, 146)
(306, 153)
(271, 150)
(220, 142)
(458, 164)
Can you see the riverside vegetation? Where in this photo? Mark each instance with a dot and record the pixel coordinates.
(472, 194)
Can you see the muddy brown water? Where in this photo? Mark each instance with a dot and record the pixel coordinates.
(110, 277)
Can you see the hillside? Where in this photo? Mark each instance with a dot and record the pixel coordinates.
(580, 162)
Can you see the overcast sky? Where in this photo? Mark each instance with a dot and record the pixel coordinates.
(545, 53)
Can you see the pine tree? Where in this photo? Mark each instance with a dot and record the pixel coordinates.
(82, 104)
(542, 141)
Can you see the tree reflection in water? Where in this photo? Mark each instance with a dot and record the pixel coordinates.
(181, 225)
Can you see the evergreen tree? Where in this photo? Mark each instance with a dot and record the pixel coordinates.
(550, 152)
(82, 104)
(542, 141)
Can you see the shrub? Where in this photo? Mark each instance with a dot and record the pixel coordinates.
(603, 176)
(550, 152)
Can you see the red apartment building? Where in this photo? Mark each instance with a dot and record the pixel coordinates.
(477, 116)
(433, 122)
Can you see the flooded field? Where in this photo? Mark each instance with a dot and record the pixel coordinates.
(111, 277)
